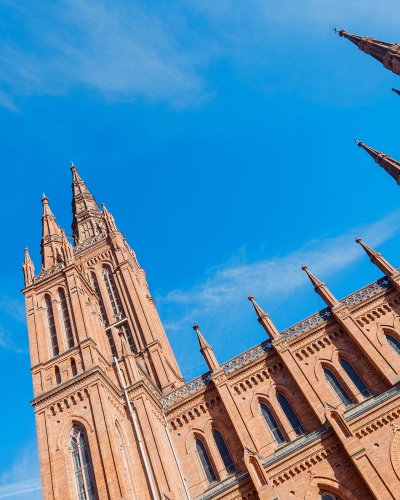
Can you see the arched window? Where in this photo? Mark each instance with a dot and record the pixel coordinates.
(112, 291)
(125, 460)
(290, 414)
(394, 343)
(223, 451)
(128, 335)
(111, 342)
(57, 375)
(272, 424)
(82, 463)
(326, 495)
(66, 319)
(96, 288)
(74, 369)
(205, 461)
(355, 378)
(51, 326)
(337, 387)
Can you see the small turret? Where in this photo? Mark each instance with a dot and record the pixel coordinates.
(51, 244)
(386, 53)
(378, 259)
(264, 320)
(108, 219)
(321, 289)
(391, 166)
(207, 351)
(28, 269)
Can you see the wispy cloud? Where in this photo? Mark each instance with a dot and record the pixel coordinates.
(222, 294)
(162, 51)
(21, 480)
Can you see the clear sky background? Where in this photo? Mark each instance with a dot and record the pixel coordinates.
(220, 136)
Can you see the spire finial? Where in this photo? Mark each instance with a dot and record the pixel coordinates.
(396, 91)
(377, 259)
(206, 350)
(28, 268)
(264, 319)
(389, 164)
(321, 289)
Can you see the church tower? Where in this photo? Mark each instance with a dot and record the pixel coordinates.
(94, 331)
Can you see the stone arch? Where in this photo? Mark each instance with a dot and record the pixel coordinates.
(319, 483)
(67, 427)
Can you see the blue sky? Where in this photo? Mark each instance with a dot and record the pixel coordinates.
(220, 136)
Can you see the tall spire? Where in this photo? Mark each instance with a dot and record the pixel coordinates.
(322, 290)
(386, 53)
(264, 320)
(391, 166)
(377, 259)
(207, 351)
(51, 237)
(87, 218)
(28, 268)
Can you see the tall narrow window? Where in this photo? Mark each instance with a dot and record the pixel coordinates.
(355, 378)
(83, 470)
(112, 291)
(100, 298)
(272, 424)
(57, 375)
(205, 461)
(337, 387)
(290, 414)
(128, 335)
(394, 344)
(66, 319)
(111, 342)
(223, 451)
(51, 326)
(74, 369)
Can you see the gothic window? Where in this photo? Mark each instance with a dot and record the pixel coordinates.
(272, 424)
(128, 336)
(66, 319)
(112, 291)
(337, 387)
(51, 326)
(57, 375)
(74, 369)
(394, 343)
(205, 461)
(82, 464)
(100, 298)
(223, 451)
(355, 378)
(326, 495)
(290, 414)
(111, 342)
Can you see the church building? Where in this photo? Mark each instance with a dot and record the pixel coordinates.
(313, 412)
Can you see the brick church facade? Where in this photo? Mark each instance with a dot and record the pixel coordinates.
(311, 413)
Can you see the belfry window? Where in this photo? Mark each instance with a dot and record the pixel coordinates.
(205, 461)
(51, 326)
(112, 291)
(290, 414)
(355, 378)
(66, 319)
(223, 451)
(272, 424)
(128, 336)
(100, 298)
(74, 368)
(57, 374)
(394, 343)
(82, 463)
(337, 387)
(111, 343)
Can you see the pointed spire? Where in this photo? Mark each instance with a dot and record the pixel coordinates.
(264, 320)
(51, 237)
(68, 251)
(207, 351)
(391, 166)
(108, 219)
(397, 91)
(386, 53)
(87, 217)
(321, 289)
(28, 268)
(378, 259)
